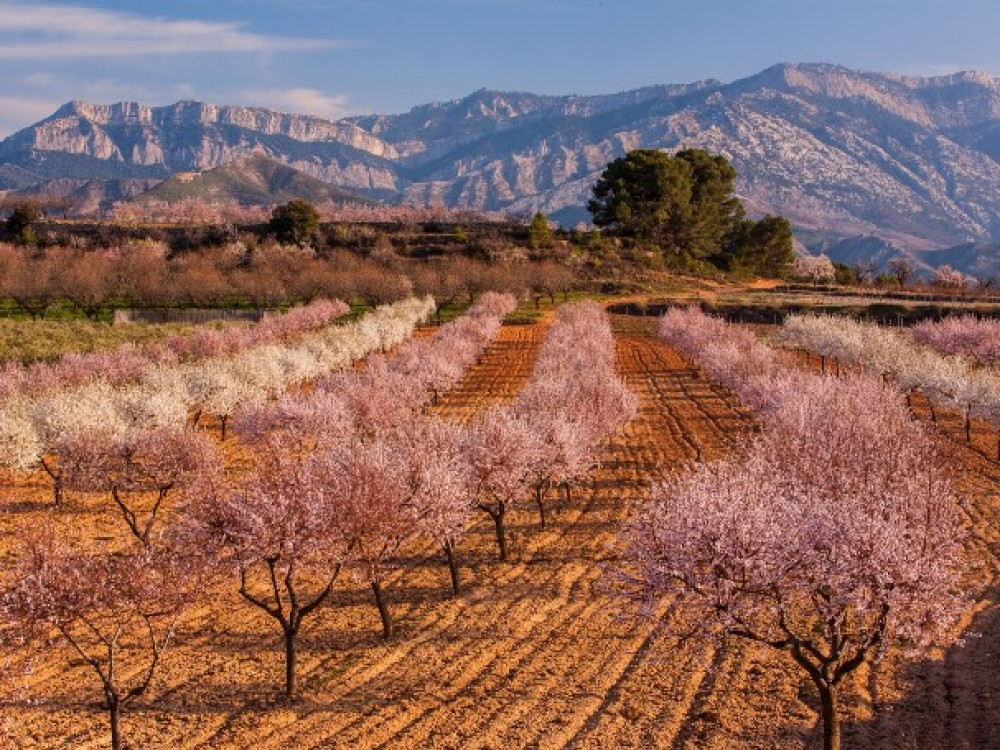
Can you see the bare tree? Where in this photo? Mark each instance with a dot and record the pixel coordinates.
(902, 269)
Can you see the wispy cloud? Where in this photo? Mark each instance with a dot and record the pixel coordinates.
(51, 32)
(297, 100)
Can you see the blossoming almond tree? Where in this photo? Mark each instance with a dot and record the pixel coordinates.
(500, 449)
(116, 612)
(832, 537)
(139, 469)
(369, 497)
(276, 530)
(439, 484)
(961, 335)
(85, 411)
(574, 399)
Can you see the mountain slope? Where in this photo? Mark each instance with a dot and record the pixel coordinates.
(911, 160)
(250, 181)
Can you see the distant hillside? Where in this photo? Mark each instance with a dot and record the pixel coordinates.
(978, 260)
(981, 260)
(913, 161)
(250, 181)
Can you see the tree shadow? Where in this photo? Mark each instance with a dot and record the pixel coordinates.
(947, 703)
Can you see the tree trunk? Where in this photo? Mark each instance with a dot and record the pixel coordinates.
(57, 490)
(449, 551)
(114, 715)
(822, 363)
(831, 719)
(57, 484)
(567, 491)
(223, 420)
(291, 660)
(968, 423)
(498, 522)
(930, 405)
(541, 505)
(383, 610)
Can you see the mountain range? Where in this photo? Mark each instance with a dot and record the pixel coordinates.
(913, 162)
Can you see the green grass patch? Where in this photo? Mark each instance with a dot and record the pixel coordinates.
(47, 340)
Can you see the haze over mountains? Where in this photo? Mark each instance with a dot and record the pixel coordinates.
(914, 161)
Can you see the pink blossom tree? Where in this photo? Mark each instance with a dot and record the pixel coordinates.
(500, 449)
(833, 536)
(574, 399)
(377, 396)
(964, 335)
(139, 469)
(276, 529)
(439, 484)
(311, 421)
(815, 268)
(947, 276)
(116, 612)
(369, 495)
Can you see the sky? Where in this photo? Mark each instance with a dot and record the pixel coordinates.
(335, 58)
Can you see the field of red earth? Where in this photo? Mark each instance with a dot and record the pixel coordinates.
(538, 652)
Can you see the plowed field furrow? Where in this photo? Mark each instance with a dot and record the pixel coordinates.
(536, 646)
(534, 653)
(498, 377)
(522, 721)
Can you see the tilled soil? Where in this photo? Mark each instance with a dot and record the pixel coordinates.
(535, 653)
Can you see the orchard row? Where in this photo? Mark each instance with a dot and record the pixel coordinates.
(340, 477)
(947, 380)
(833, 535)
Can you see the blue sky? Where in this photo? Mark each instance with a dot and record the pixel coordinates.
(341, 57)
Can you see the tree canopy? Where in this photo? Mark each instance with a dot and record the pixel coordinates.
(23, 217)
(295, 221)
(539, 232)
(685, 204)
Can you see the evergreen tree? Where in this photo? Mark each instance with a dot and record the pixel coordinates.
(714, 210)
(645, 194)
(539, 232)
(763, 247)
(295, 221)
(22, 220)
(685, 204)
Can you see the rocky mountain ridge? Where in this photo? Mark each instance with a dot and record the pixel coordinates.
(915, 161)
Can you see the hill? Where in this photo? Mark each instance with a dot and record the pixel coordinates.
(249, 181)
